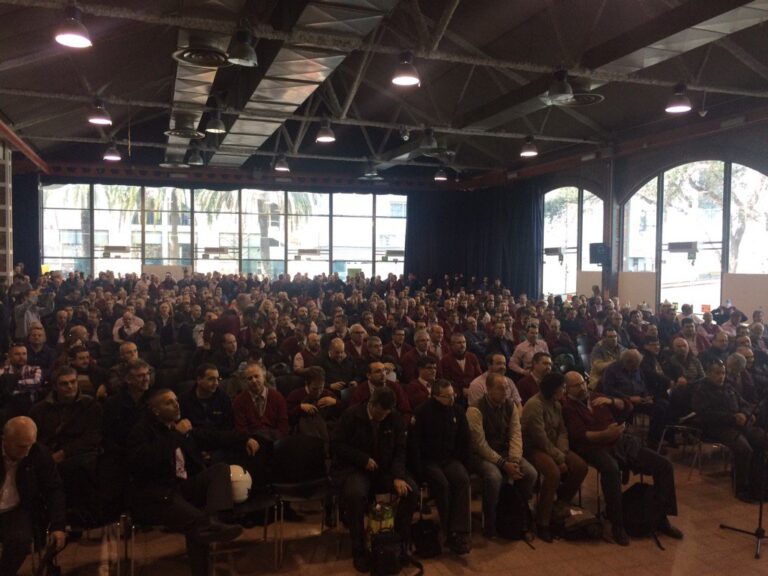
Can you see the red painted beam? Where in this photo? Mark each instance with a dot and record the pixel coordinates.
(7, 134)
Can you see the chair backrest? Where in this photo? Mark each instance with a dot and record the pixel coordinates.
(298, 459)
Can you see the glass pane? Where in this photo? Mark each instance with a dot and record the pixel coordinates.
(693, 212)
(390, 235)
(749, 221)
(347, 268)
(67, 265)
(307, 266)
(216, 236)
(167, 199)
(353, 204)
(271, 268)
(392, 205)
(117, 234)
(117, 265)
(352, 238)
(172, 241)
(216, 201)
(260, 202)
(559, 275)
(66, 196)
(116, 197)
(221, 266)
(640, 229)
(396, 267)
(307, 240)
(263, 237)
(66, 233)
(187, 262)
(308, 203)
(591, 227)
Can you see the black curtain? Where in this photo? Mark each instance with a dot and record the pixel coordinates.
(496, 232)
(27, 223)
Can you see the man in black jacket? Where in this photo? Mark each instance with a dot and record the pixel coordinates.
(172, 485)
(441, 446)
(369, 457)
(31, 498)
(727, 418)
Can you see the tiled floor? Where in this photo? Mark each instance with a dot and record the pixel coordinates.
(705, 501)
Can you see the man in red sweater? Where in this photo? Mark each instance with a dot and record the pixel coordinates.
(459, 366)
(259, 410)
(377, 377)
(420, 388)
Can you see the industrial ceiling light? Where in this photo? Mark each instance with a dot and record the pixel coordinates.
(282, 164)
(325, 134)
(112, 154)
(529, 149)
(440, 175)
(216, 124)
(72, 32)
(242, 53)
(99, 115)
(560, 90)
(405, 72)
(183, 127)
(195, 158)
(678, 103)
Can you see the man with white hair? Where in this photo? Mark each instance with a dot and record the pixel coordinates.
(30, 490)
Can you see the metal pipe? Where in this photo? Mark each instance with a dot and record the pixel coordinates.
(7, 133)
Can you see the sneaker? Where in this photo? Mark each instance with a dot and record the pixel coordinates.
(620, 536)
(458, 544)
(668, 530)
(362, 562)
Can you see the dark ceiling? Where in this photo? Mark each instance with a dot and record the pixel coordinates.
(484, 67)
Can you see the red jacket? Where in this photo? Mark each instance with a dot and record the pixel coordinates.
(362, 394)
(579, 420)
(409, 364)
(449, 369)
(417, 393)
(247, 420)
(390, 350)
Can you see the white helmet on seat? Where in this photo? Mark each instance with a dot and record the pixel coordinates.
(241, 483)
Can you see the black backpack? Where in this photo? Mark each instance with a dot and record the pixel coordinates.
(513, 516)
(425, 537)
(575, 523)
(387, 555)
(642, 513)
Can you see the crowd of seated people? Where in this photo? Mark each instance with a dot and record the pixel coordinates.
(144, 390)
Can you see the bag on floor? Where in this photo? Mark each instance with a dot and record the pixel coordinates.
(385, 553)
(642, 513)
(425, 536)
(576, 523)
(513, 516)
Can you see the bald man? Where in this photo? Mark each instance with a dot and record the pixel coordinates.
(31, 491)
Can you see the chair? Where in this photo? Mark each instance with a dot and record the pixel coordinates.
(694, 437)
(299, 475)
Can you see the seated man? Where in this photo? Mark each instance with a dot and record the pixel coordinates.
(340, 370)
(697, 343)
(681, 365)
(597, 437)
(207, 406)
(38, 351)
(69, 426)
(440, 438)
(21, 384)
(719, 350)
(89, 376)
(497, 447)
(528, 386)
(726, 417)
(369, 457)
(171, 484)
(497, 364)
(32, 495)
(522, 358)
(624, 380)
(377, 377)
(259, 410)
(229, 356)
(311, 407)
(459, 366)
(605, 353)
(410, 359)
(545, 440)
(420, 389)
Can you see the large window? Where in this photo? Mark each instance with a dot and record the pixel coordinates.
(566, 250)
(699, 239)
(119, 228)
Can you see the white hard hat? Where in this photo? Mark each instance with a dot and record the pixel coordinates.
(241, 484)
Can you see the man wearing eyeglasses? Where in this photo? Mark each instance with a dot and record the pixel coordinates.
(442, 447)
(207, 406)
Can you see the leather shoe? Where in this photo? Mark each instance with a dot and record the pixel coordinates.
(362, 562)
(620, 536)
(668, 530)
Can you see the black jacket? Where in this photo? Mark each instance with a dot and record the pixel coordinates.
(212, 414)
(151, 456)
(439, 433)
(717, 405)
(40, 490)
(353, 443)
(74, 427)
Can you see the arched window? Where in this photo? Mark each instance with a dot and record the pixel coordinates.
(691, 226)
(573, 219)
